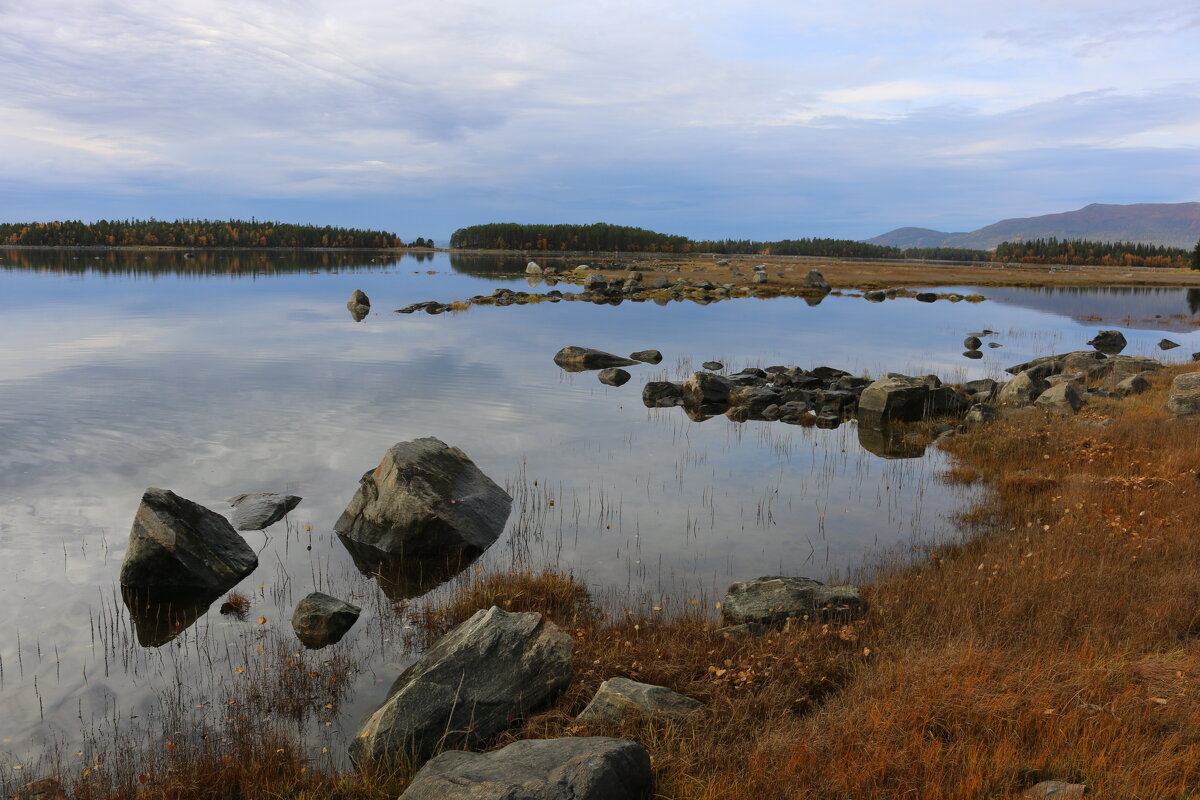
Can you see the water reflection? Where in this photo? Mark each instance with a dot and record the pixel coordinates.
(159, 616)
(402, 578)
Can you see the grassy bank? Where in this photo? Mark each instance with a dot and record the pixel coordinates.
(1057, 640)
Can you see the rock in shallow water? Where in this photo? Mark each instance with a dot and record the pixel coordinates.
(571, 768)
(425, 499)
(176, 544)
(258, 510)
(578, 359)
(613, 376)
(647, 356)
(321, 620)
(468, 687)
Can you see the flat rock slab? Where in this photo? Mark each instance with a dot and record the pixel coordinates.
(619, 697)
(425, 499)
(572, 768)
(647, 356)
(321, 620)
(180, 545)
(578, 359)
(258, 510)
(772, 600)
(469, 686)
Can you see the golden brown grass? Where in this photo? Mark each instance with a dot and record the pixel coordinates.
(1058, 640)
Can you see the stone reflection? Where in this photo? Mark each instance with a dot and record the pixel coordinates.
(890, 442)
(161, 615)
(403, 578)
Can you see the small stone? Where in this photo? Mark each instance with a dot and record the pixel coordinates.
(619, 697)
(1167, 344)
(972, 343)
(926, 297)
(532, 268)
(613, 376)
(321, 620)
(713, 365)
(647, 356)
(816, 281)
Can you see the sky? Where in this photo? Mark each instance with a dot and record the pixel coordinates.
(762, 120)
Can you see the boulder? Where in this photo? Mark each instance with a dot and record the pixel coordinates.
(944, 400)
(1133, 365)
(613, 376)
(425, 499)
(468, 687)
(619, 697)
(773, 600)
(662, 394)
(1022, 390)
(258, 510)
(647, 356)
(816, 281)
(358, 298)
(321, 620)
(1063, 397)
(578, 359)
(713, 365)
(983, 386)
(1134, 384)
(875, 296)
(1110, 342)
(570, 768)
(176, 544)
(532, 268)
(702, 388)
(972, 343)
(1185, 394)
(595, 282)
(1167, 344)
(760, 277)
(753, 398)
(895, 398)
(982, 412)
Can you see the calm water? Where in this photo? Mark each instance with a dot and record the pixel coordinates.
(220, 374)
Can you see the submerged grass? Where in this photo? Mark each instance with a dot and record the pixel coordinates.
(1056, 640)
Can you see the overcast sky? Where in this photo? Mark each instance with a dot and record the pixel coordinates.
(711, 119)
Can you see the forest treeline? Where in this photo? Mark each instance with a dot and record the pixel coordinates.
(190, 233)
(601, 237)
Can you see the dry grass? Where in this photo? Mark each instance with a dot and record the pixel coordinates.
(1058, 640)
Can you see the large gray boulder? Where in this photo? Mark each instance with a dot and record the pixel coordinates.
(468, 687)
(321, 620)
(619, 697)
(1022, 390)
(425, 499)
(1110, 342)
(816, 281)
(706, 388)
(1133, 365)
(176, 545)
(258, 510)
(1063, 398)
(772, 600)
(578, 359)
(571, 768)
(895, 398)
(1185, 394)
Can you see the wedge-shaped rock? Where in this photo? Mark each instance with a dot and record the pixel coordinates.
(1064, 398)
(705, 388)
(1022, 390)
(258, 510)
(895, 398)
(571, 768)
(772, 600)
(468, 687)
(425, 499)
(179, 545)
(619, 697)
(577, 359)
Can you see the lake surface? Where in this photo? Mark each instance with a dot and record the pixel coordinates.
(232, 373)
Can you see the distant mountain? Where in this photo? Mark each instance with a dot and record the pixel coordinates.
(1170, 224)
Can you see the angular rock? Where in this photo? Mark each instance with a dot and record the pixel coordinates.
(1185, 394)
(1110, 342)
(944, 400)
(772, 600)
(570, 768)
(816, 281)
(980, 413)
(176, 544)
(1064, 398)
(321, 620)
(1167, 344)
(425, 499)
(981, 386)
(467, 687)
(1133, 365)
(760, 277)
(1022, 390)
(258, 510)
(647, 356)
(532, 268)
(594, 282)
(578, 359)
(358, 298)
(662, 394)
(895, 398)
(1134, 384)
(613, 376)
(702, 388)
(619, 697)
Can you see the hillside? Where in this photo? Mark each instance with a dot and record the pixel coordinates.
(1170, 224)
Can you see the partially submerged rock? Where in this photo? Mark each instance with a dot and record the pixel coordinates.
(1167, 344)
(578, 359)
(321, 620)
(570, 768)
(425, 499)
(895, 398)
(705, 388)
(620, 697)
(647, 356)
(1110, 342)
(816, 281)
(359, 305)
(532, 268)
(467, 687)
(714, 366)
(176, 544)
(662, 394)
(258, 510)
(614, 376)
(772, 600)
